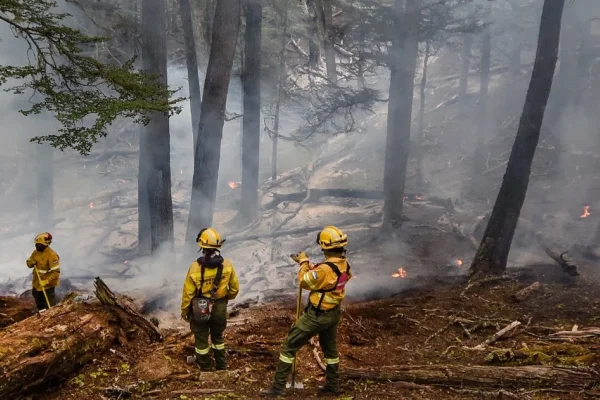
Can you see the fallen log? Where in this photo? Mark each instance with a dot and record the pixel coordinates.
(537, 376)
(48, 347)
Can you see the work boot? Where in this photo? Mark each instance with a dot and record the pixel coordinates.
(204, 361)
(272, 392)
(220, 360)
(283, 370)
(332, 380)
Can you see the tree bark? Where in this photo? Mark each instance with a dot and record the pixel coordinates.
(191, 60)
(421, 121)
(209, 14)
(402, 65)
(216, 85)
(464, 72)
(45, 187)
(251, 120)
(537, 376)
(479, 156)
(155, 202)
(280, 82)
(492, 254)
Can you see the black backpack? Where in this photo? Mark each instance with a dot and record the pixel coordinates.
(337, 282)
(202, 306)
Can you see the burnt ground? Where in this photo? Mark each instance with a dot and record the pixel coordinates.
(429, 325)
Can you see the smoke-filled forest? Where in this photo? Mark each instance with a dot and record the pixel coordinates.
(445, 155)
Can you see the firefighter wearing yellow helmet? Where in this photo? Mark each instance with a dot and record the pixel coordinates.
(46, 264)
(210, 283)
(327, 284)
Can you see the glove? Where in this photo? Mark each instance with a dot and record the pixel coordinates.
(43, 283)
(30, 263)
(300, 257)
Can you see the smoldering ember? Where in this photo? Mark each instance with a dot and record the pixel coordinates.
(359, 199)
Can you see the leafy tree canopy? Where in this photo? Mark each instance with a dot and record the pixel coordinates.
(85, 95)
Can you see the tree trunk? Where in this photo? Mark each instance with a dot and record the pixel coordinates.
(328, 39)
(534, 376)
(209, 14)
(251, 119)
(492, 254)
(314, 51)
(192, 65)
(216, 85)
(155, 146)
(515, 52)
(479, 156)
(45, 187)
(421, 122)
(464, 73)
(402, 65)
(280, 82)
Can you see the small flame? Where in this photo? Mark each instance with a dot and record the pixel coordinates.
(125, 262)
(586, 212)
(91, 205)
(401, 273)
(459, 262)
(418, 198)
(233, 184)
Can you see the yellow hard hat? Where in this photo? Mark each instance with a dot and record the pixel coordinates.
(332, 238)
(209, 238)
(44, 238)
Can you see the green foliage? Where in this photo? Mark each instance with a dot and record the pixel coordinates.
(85, 95)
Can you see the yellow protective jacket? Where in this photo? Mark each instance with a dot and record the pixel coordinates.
(47, 264)
(228, 287)
(322, 277)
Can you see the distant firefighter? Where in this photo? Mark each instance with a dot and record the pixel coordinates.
(327, 284)
(46, 271)
(210, 283)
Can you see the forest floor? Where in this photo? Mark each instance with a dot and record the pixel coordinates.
(431, 325)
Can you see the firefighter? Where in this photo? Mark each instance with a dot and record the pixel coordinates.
(211, 276)
(46, 265)
(327, 282)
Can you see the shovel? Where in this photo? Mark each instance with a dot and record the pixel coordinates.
(295, 384)
(43, 290)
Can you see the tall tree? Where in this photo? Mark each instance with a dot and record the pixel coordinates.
(280, 82)
(328, 39)
(492, 254)
(484, 82)
(464, 72)
(403, 62)
(207, 157)
(516, 45)
(155, 205)
(45, 186)
(314, 50)
(421, 120)
(251, 120)
(191, 60)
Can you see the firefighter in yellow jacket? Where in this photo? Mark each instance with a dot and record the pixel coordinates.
(326, 282)
(211, 276)
(46, 265)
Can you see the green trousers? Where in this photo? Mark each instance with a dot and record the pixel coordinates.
(214, 327)
(40, 300)
(311, 323)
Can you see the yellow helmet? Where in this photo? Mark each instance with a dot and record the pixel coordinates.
(332, 238)
(44, 238)
(209, 238)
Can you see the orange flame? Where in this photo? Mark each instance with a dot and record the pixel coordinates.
(400, 274)
(586, 212)
(233, 184)
(91, 205)
(459, 262)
